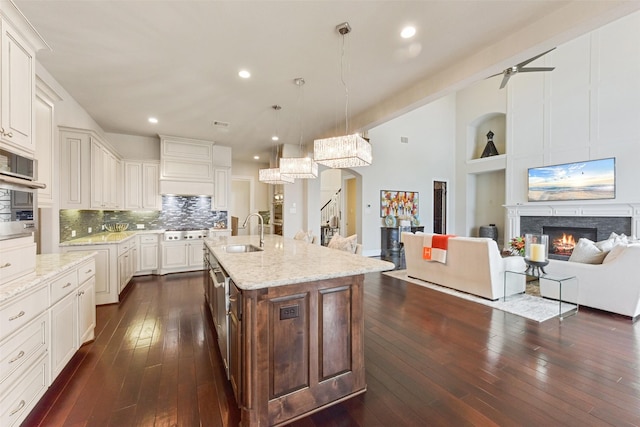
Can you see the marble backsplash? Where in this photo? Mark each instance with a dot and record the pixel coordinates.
(177, 212)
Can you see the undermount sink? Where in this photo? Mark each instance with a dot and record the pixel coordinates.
(237, 249)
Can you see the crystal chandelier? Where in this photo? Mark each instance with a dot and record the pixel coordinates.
(274, 175)
(299, 167)
(349, 151)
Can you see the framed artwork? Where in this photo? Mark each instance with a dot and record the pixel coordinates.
(398, 203)
(589, 180)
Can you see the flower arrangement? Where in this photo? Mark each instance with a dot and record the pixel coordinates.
(516, 245)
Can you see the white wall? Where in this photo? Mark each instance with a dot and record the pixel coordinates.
(587, 108)
(134, 147)
(429, 154)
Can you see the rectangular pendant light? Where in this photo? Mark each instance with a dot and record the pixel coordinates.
(349, 151)
(274, 176)
(299, 167)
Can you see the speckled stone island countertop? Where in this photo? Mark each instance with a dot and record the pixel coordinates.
(286, 261)
(47, 267)
(107, 238)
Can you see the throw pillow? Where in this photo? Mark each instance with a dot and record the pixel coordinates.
(348, 244)
(587, 252)
(614, 253)
(304, 236)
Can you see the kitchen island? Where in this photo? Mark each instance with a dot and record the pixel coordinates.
(296, 325)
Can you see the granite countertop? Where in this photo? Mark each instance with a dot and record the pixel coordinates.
(107, 238)
(47, 267)
(286, 261)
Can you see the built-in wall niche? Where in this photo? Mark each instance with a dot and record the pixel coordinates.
(477, 134)
(486, 197)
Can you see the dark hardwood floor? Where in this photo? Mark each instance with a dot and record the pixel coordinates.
(431, 359)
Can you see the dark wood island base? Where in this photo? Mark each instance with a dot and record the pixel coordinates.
(296, 349)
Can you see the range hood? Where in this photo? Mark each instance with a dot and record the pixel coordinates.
(186, 188)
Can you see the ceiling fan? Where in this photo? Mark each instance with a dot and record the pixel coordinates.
(520, 68)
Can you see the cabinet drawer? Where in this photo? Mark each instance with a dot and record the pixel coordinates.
(15, 351)
(123, 248)
(86, 270)
(17, 402)
(149, 239)
(63, 285)
(17, 261)
(20, 312)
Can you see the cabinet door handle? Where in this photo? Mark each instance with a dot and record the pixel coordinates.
(20, 406)
(17, 316)
(88, 271)
(67, 285)
(5, 265)
(9, 135)
(19, 356)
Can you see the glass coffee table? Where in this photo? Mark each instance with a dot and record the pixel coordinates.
(565, 283)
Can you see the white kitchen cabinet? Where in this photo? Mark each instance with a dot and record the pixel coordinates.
(196, 255)
(75, 170)
(221, 156)
(64, 331)
(106, 270)
(91, 174)
(17, 258)
(222, 187)
(127, 254)
(44, 140)
(86, 310)
(142, 185)
(182, 256)
(18, 43)
(39, 334)
(147, 254)
(104, 177)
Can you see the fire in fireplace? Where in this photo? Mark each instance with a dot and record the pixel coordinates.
(562, 240)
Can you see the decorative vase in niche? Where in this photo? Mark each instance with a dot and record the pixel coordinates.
(490, 231)
(536, 253)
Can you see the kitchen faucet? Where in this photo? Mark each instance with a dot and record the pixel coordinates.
(260, 223)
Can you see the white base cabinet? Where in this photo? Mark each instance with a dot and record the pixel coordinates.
(40, 331)
(182, 256)
(147, 254)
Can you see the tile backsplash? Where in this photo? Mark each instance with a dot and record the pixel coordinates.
(177, 212)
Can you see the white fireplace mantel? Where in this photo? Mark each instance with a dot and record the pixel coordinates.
(514, 212)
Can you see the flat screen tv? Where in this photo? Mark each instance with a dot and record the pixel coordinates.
(590, 180)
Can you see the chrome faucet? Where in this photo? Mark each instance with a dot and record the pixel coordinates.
(260, 223)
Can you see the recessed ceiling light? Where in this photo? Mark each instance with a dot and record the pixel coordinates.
(244, 74)
(275, 138)
(408, 32)
(256, 157)
(153, 120)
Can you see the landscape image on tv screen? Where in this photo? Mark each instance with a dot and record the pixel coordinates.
(590, 180)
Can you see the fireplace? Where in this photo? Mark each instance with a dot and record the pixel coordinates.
(563, 239)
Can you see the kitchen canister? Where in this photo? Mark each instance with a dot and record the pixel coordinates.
(490, 231)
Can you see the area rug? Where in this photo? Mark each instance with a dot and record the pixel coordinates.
(527, 306)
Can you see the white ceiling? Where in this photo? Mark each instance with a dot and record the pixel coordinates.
(178, 60)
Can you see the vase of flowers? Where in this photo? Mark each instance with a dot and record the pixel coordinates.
(517, 245)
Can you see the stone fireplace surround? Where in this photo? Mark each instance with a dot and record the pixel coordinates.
(607, 218)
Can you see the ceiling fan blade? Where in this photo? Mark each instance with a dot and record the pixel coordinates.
(505, 79)
(496, 74)
(523, 63)
(534, 69)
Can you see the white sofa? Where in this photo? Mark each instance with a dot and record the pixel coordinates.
(612, 286)
(474, 265)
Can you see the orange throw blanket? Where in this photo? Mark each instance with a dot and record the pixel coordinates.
(435, 247)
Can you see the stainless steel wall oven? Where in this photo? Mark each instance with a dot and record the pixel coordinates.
(18, 195)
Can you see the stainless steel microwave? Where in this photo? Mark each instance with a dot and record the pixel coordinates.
(18, 195)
